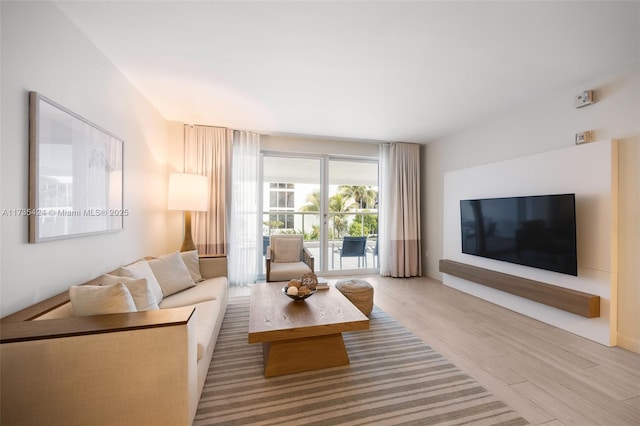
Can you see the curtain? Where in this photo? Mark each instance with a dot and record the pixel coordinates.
(207, 151)
(383, 211)
(400, 246)
(245, 240)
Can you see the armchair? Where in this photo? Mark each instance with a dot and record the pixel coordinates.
(287, 258)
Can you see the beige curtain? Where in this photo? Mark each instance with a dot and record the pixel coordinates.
(400, 248)
(207, 151)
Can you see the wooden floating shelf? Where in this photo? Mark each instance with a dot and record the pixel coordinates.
(577, 302)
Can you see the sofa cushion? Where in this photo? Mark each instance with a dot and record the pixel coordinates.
(98, 300)
(140, 290)
(141, 269)
(211, 289)
(285, 271)
(171, 272)
(192, 261)
(207, 317)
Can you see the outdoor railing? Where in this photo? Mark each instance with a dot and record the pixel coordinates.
(308, 223)
(340, 224)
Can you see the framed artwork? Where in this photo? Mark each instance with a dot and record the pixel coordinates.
(75, 174)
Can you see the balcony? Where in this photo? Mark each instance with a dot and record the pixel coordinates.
(339, 225)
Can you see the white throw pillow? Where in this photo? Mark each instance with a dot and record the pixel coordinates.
(191, 260)
(141, 269)
(99, 300)
(140, 290)
(287, 250)
(172, 274)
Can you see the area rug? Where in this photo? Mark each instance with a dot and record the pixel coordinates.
(393, 378)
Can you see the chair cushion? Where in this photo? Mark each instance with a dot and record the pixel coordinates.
(286, 250)
(287, 271)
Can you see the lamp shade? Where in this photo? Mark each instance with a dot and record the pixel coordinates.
(188, 192)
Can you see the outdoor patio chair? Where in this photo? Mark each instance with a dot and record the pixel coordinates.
(375, 254)
(354, 247)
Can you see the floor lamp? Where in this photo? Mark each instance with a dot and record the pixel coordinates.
(188, 192)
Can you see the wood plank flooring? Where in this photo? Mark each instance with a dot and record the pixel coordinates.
(549, 376)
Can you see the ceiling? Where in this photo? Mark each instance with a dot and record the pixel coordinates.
(367, 70)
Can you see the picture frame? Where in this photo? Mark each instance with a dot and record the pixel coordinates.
(75, 174)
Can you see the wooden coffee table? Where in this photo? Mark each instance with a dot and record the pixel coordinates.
(301, 336)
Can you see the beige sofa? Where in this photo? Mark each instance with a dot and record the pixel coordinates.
(139, 368)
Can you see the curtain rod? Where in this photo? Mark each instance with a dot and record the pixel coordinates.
(204, 125)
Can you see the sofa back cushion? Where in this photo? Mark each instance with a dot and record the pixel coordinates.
(172, 274)
(99, 300)
(141, 269)
(192, 261)
(140, 290)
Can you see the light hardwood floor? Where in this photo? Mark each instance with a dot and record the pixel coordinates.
(548, 375)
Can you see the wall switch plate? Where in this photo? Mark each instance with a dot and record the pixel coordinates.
(583, 99)
(584, 137)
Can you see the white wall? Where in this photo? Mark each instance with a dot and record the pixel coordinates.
(547, 123)
(44, 52)
(175, 164)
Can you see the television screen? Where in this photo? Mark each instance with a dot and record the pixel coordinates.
(537, 231)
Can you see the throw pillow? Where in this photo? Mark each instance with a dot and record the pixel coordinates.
(139, 270)
(172, 274)
(99, 300)
(287, 250)
(140, 290)
(191, 260)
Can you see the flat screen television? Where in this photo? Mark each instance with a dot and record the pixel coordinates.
(537, 231)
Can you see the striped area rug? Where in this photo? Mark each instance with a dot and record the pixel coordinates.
(393, 378)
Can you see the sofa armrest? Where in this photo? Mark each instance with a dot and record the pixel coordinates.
(213, 266)
(22, 331)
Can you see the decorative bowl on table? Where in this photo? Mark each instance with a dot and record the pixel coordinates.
(301, 289)
(298, 297)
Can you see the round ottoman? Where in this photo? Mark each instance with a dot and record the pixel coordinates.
(359, 292)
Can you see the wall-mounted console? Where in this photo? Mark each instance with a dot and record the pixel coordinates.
(577, 302)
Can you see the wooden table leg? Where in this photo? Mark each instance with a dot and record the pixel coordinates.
(306, 354)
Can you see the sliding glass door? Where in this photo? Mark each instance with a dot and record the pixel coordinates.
(333, 202)
(291, 200)
(352, 217)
